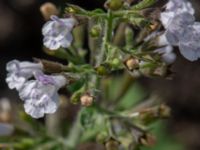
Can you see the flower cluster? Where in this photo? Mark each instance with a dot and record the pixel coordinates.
(181, 28)
(40, 94)
(57, 32)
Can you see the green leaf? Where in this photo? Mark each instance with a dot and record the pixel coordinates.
(144, 4)
(76, 85)
(87, 118)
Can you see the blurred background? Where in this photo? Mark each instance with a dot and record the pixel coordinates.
(20, 38)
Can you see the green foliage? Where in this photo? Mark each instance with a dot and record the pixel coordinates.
(144, 4)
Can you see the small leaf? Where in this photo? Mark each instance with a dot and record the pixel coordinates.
(144, 4)
(87, 117)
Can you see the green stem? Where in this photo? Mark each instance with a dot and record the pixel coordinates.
(75, 133)
(107, 36)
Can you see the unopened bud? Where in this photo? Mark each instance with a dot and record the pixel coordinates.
(95, 31)
(86, 100)
(148, 140)
(50, 66)
(102, 70)
(75, 98)
(164, 111)
(160, 71)
(154, 26)
(72, 9)
(113, 4)
(115, 63)
(48, 9)
(132, 63)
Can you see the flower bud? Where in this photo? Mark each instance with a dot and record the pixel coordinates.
(48, 9)
(95, 31)
(154, 26)
(102, 70)
(132, 63)
(148, 140)
(86, 100)
(164, 111)
(160, 71)
(75, 98)
(50, 66)
(115, 63)
(113, 4)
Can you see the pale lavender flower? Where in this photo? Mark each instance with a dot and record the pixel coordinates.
(57, 32)
(189, 43)
(180, 6)
(181, 28)
(19, 72)
(177, 27)
(40, 96)
(174, 8)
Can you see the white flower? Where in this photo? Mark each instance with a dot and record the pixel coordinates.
(40, 96)
(57, 32)
(189, 43)
(19, 72)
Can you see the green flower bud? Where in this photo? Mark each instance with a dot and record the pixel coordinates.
(70, 10)
(113, 4)
(74, 9)
(115, 63)
(102, 70)
(95, 31)
(75, 98)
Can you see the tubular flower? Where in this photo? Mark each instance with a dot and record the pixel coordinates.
(57, 32)
(189, 44)
(174, 8)
(181, 28)
(177, 27)
(40, 96)
(19, 72)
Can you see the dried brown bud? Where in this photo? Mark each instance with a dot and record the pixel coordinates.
(48, 9)
(132, 63)
(86, 100)
(160, 71)
(154, 26)
(50, 66)
(148, 140)
(164, 111)
(112, 144)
